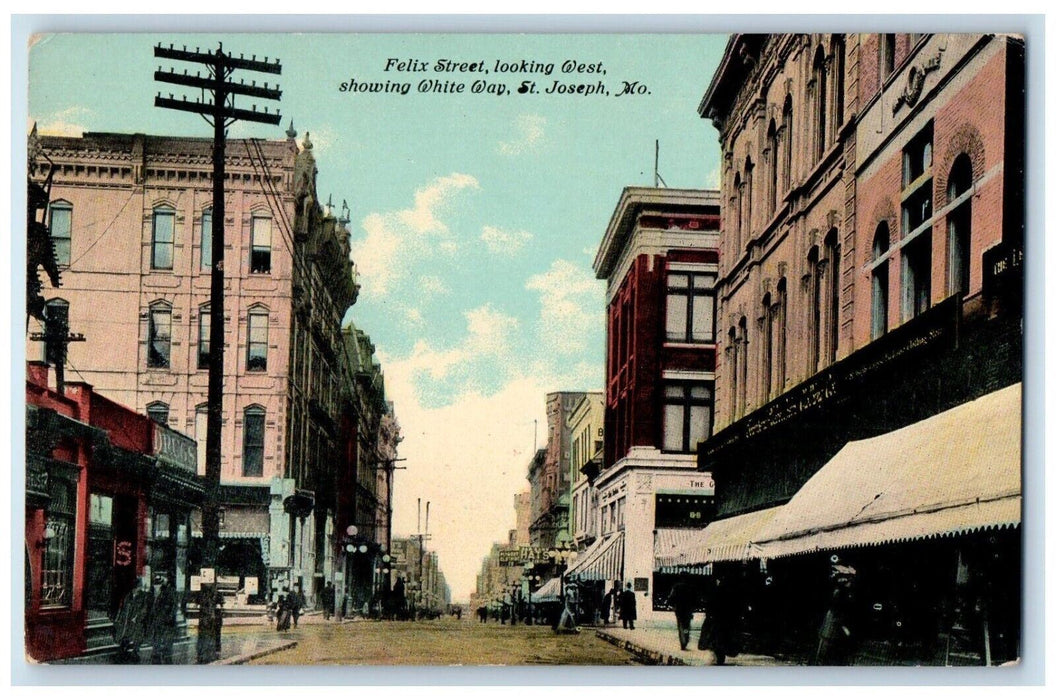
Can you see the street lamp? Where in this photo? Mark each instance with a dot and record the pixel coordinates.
(530, 580)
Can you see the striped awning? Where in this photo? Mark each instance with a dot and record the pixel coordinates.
(956, 472)
(602, 561)
(549, 592)
(670, 546)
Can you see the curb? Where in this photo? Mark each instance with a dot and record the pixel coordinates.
(651, 656)
(244, 658)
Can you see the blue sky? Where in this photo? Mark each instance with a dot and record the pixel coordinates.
(474, 220)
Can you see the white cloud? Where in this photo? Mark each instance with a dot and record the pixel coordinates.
(501, 241)
(395, 239)
(433, 285)
(530, 130)
(572, 304)
(414, 315)
(68, 122)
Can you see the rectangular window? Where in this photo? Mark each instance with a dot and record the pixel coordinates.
(61, 228)
(916, 273)
(164, 229)
(56, 582)
(257, 347)
(207, 239)
(917, 187)
(253, 444)
(204, 329)
(677, 510)
(687, 416)
(690, 308)
(159, 337)
(260, 245)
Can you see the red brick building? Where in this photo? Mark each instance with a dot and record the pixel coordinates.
(871, 278)
(108, 499)
(660, 259)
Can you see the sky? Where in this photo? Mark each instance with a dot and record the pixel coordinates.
(475, 216)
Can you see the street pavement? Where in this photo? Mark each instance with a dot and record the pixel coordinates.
(443, 642)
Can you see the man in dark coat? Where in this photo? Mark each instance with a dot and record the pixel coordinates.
(720, 631)
(296, 603)
(399, 597)
(836, 639)
(628, 607)
(130, 625)
(683, 599)
(163, 621)
(328, 600)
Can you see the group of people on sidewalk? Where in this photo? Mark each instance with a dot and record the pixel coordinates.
(147, 615)
(288, 608)
(621, 605)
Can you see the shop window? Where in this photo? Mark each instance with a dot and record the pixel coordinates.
(204, 331)
(159, 335)
(253, 441)
(257, 347)
(687, 415)
(60, 227)
(881, 243)
(162, 238)
(56, 585)
(959, 226)
(677, 510)
(690, 307)
(158, 412)
(207, 239)
(260, 245)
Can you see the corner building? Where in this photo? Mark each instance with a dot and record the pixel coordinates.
(130, 219)
(660, 260)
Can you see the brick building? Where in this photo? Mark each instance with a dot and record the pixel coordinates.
(130, 220)
(659, 257)
(870, 280)
(550, 480)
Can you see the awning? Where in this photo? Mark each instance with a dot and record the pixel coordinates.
(602, 561)
(956, 472)
(670, 546)
(549, 592)
(732, 539)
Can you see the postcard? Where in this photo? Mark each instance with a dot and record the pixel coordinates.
(519, 349)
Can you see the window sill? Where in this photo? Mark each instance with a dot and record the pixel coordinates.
(702, 345)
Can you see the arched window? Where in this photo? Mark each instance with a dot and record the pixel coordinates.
(959, 225)
(814, 329)
(820, 107)
(742, 382)
(163, 235)
(253, 441)
(746, 203)
(60, 228)
(769, 328)
(257, 345)
(733, 357)
(839, 62)
(832, 257)
(158, 411)
(887, 55)
(735, 214)
(206, 238)
(774, 158)
(159, 335)
(881, 243)
(789, 130)
(260, 245)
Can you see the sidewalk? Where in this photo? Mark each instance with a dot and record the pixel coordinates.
(657, 642)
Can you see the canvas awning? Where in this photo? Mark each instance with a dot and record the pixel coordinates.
(602, 561)
(670, 546)
(549, 592)
(956, 472)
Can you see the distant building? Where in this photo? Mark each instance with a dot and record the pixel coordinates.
(550, 480)
(587, 424)
(660, 259)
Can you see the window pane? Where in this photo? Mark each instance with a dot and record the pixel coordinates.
(678, 281)
(260, 254)
(61, 233)
(674, 415)
(161, 253)
(159, 413)
(674, 391)
(253, 443)
(207, 239)
(204, 329)
(703, 318)
(677, 308)
(159, 338)
(257, 358)
(699, 425)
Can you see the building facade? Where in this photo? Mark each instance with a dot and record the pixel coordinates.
(660, 260)
(550, 478)
(871, 279)
(587, 425)
(130, 218)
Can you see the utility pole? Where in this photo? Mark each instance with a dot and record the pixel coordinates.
(220, 113)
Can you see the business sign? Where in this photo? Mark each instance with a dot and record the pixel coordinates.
(175, 449)
(525, 554)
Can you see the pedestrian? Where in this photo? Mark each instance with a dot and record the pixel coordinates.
(610, 603)
(720, 631)
(628, 607)
(296, 603)
(162, 621)
(130, 624)
(836, 639)
(328, 600)
(683, 600)
(399, 598)
(282, 614)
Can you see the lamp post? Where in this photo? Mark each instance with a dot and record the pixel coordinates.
(563, 553)
(530, 580)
